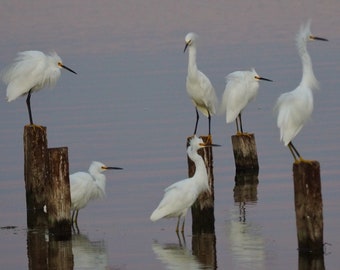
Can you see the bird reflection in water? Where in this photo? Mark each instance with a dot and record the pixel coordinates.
(88, 254)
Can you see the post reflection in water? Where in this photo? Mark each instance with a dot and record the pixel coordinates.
(204, 248)
(45, 253)
(245, 189)
(245, 238)
(80, 253)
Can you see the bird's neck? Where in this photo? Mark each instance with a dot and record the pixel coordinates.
(200, 169)
(192, 65)
(100, 181)
(308, 77)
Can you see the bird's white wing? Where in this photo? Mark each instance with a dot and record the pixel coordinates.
(81, 185)
(26, 73)
(177, 198)
(202, 93)
(292, 114)
(234, 98)
(208, 94)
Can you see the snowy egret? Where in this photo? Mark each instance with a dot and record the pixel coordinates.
(87, 186)
(181, 195)
(198, 85)
(241, 88)
(31, 72)
(295, 108)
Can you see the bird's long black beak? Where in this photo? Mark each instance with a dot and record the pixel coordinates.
(264, 79)
(186, 46)
(113, 168)
(212, 145)
(67, 68)
(318, 38)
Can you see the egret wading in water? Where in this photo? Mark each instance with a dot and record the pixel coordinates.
(241, 88)
(199, 87)
(295, 108)
(87, 186)
(180, 196)
(31, 72)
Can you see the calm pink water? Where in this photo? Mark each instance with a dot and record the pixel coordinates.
(128, 107)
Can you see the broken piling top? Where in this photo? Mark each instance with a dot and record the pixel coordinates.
(46, 183)
(308, 206)
(245, 153)
(58, 196)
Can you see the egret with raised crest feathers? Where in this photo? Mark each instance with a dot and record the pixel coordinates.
(31, 72)
(294, 108)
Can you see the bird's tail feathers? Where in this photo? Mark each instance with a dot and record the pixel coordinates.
(157, 214)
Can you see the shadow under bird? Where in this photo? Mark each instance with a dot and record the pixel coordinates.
(294, 108)
(85, 187)
(31, 72)
(199, 87)
(180, 196)
(241, 88)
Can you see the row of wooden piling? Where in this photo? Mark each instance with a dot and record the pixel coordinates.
(47, 187)
(307, 193)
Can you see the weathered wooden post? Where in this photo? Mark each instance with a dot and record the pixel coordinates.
(308, 206)
(245, 154)
(58, 194)
(311, 262)
(202, 210)
(35, 168)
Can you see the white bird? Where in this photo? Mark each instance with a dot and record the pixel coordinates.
(31, 72)
(87, 186)
(181, 195)
(295, 108)
(241, 88)
(199, 87)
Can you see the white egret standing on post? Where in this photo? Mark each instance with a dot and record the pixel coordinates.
(87, 186)
(199, 87)
(241, 88)
(31, 72)
(180, 196)
(295, 108)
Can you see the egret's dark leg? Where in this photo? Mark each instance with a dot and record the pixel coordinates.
(237, 127)
(72, 218)
(183, 225)
(178, 223)
(76, 220)
(294, 151)
(197, 117)
(180, 237)
(240, 118)
(209, 119)
(28, 103)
